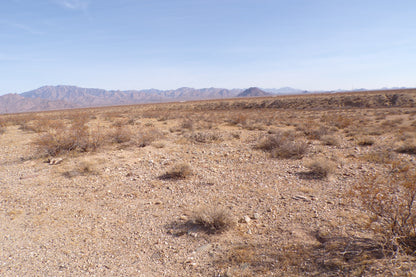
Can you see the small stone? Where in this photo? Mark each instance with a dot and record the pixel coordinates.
(249, 232)
(247, 219)
(256, 216)
(158, 202)
(300, 197)
(55, 161)
(203, 248)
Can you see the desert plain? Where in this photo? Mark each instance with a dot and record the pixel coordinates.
(301, 185)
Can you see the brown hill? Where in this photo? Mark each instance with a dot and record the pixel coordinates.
(15, 103)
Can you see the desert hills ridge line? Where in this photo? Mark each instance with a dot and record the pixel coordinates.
(68, 97)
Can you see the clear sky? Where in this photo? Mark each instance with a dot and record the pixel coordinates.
(166, 44)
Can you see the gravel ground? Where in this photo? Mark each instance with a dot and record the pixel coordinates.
(108, 212)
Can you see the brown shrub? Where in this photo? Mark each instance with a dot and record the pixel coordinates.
(407, 147)
(76, 137)
(187, 124)
(205, 137)
(214, 219)
(320, 168)
(379, 157)
(390, 201)
(330, 140)
(281, 145)
(178, 171)
(121, 134)
(365, 141)
(147, 136)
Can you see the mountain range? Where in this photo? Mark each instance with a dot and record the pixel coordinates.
(67, 97)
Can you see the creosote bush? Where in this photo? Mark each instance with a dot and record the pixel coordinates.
(146, 136)
(407, 147)
(320, 168)
(76, 137)
(178, 171)
(214, 219)
(121, 134)
(390, 201)
(282, 145)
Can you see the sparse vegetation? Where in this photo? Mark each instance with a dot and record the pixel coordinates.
(325, 206)
(282, 145)
(178, 171)
(76, 137)
(214, 219)
(390, 200)
(320, 168)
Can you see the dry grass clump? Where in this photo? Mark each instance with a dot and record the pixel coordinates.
(320, 168)
(282, 145)
(178, 171)
(214, 219)
(390, 202)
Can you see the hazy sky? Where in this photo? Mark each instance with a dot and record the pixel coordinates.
(166, 44)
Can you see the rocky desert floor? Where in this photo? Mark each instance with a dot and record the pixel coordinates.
(214, 188)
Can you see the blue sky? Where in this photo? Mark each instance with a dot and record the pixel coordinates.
(166, 44)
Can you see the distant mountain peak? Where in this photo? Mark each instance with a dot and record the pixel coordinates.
(253, 92)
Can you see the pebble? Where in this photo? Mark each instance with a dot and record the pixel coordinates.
(247, 219)
(256, 216)
(300, 197)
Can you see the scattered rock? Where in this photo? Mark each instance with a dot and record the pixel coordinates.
(203, 248)
(255, 216)
(55, 161)
(245, 219)
(300, 197)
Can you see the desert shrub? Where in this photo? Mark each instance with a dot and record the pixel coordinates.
(205, 137)
(214, 219)
(339, 121)
(389, 200)
(330, 140)
(178, 171)
(121, 134)
(82, 169)
(312, 131)
(407, 147)
(146, 136)
(380, 157)
(237, 118)
(76, 137)
(320, 168)
(282, 145)
(187, 124)
(365, 141)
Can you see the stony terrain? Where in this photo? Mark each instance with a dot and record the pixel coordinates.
(111, 206)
